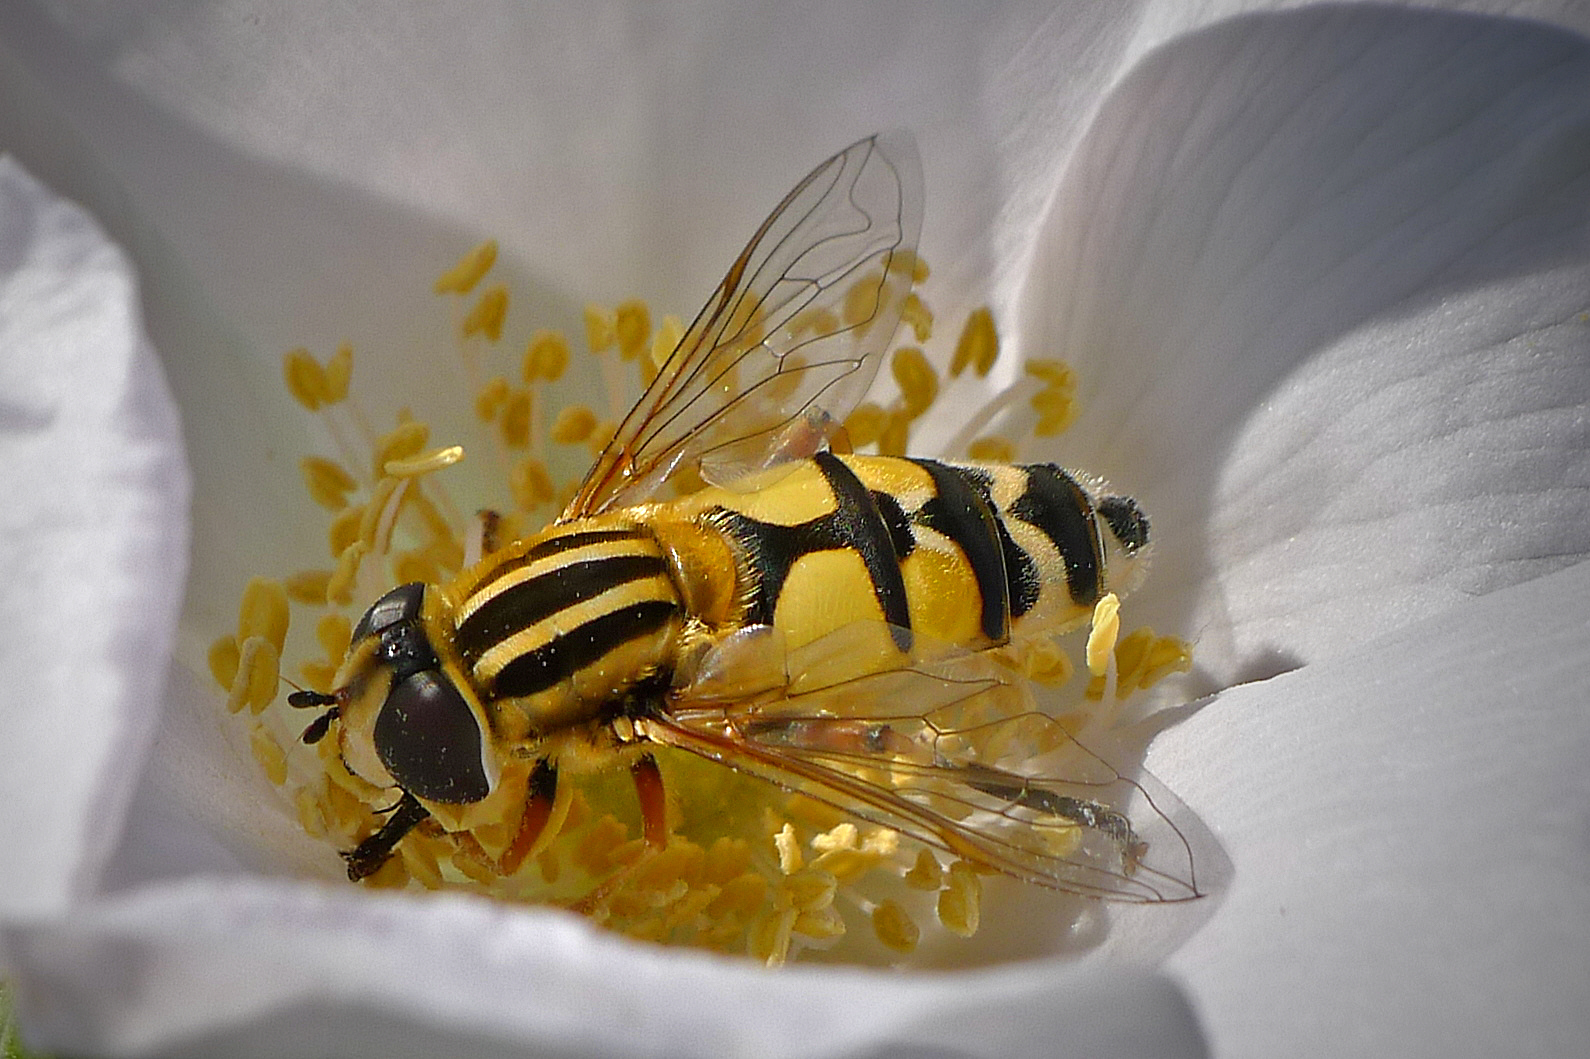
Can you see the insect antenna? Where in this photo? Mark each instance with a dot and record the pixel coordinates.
(305, 699)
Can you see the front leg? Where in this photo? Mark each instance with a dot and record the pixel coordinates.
(540, 798)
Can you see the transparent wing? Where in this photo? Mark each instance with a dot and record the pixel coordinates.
(789, 341)
(956, 755)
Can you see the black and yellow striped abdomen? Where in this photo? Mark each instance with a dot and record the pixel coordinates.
(969, 554)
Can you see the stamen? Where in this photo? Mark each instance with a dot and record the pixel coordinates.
(425, 463)
(462, 277)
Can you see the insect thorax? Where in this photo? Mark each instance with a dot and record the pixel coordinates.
(565, 624)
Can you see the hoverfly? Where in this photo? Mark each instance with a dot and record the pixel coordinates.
(835, 624)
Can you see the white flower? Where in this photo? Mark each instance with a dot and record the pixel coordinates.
(1324, 270)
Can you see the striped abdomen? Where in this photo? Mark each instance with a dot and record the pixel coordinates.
(581, 612)
(968, 554)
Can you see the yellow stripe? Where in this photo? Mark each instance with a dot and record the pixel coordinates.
(495, 587)
(544, 632)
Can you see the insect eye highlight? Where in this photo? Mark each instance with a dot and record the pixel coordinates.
(401, 604)
(429, 740)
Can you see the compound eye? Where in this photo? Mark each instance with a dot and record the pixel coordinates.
(430, 742)
(1126, 520)
(401, 604)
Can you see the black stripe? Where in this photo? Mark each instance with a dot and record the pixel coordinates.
(1023, 585)
(856, 523)
(1056, 504)
(961, 514)
(563, 543)
(569, 541)
(537, 670)
(544, 595)
(861, 527)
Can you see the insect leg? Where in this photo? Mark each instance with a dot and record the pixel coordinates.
(653, 801)
(540, 797)
(366, 858)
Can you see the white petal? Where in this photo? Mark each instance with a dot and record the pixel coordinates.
(1408, 834)
(93, 539)
(1321, 272)
(247, 969)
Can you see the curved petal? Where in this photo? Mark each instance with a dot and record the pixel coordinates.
(1408, 830)
(345, 973)
(93, 541)
(1321, 273)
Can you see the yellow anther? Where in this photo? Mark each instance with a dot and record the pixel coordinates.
(1046, 662)
(865, 424)
(894, 927)
(339, 373)
(666, 340)
(742, 895)
(815, 321)
(846, 865)
(1057, 409)
(633, 326)
(901, 260)
(425, 462)
(896, 434)
(516, 413)
(339, 589)
(992, 449)
(263, 612)
(490, 398)
(415, 566)
(332, 632)
(488, 314)
(268, 752)
(407, 439)
(573, 424)
(925, 874)
(918, 382)
(546, 357)
(258, 671)
(1102, 636)
(601, 329)
(917, 316)
(789, 850)
(770, 939)
(308, 587)
(978, 345)
(223, 658)
(960, 902)
(1056, 373)
(810, 889)
(726, 858)
(376, 510)
(317, 674)
(531, 484)
(344, 529)
(863, 302)
(840, 836)
(821, 924)
(1170, 654)
(462, 277)
(306, 379)
(328, 482)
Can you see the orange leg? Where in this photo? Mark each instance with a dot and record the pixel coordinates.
(539, 799)
(653, 801)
